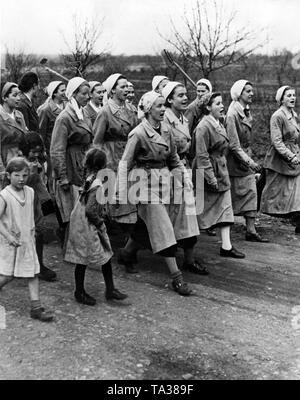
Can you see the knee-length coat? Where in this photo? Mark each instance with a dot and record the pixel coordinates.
(111, 129)
(48, 112)
(29, 112)
(281, 194)
(211, 150)
(243, 184)
(71, 138)
(156, 154)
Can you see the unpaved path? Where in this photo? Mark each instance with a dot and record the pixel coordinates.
(241, 322)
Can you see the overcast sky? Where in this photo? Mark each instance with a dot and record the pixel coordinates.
(130, 26)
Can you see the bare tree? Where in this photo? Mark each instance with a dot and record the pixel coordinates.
(17, 63)
(83, 49)
(210, 40)
(281, 61)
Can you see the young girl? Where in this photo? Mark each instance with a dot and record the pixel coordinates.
(17, 236)
(87, 242)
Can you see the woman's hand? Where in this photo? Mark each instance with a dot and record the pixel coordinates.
(254, 166)
(13, 241)
(295, 161)
(213, 185)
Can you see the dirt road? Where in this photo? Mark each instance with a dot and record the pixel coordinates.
(241, 323)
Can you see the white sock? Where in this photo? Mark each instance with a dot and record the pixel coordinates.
(225, 236)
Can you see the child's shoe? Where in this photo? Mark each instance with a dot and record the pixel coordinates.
(179, 285)
(84, 298)
(41, 314)
(47, 274)
(115, 294)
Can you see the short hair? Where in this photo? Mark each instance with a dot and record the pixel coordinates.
(8, 92)
(27, 81)
(16, 164)
(210, 101)
(95, 160)
(29, 141)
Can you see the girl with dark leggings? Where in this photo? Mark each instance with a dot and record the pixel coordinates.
(87, 240)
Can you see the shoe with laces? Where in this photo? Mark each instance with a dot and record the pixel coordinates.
(195, 268)
(115, 294)
(181, 288)
(41, 314)
(84, 298)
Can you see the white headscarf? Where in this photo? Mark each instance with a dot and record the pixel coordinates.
(110, 82)
(168, 89)
(205, 82)
(279, 93)
(6, 88)
(237, 89)
(50, 89)
(156, 81)
(93, 84)
(72, 86)
(235, 92)
(146, 102)
(130, 84)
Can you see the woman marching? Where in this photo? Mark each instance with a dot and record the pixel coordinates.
(195, 111)
(50, 110)
(151, 151)
(159, 82)
(175, 95)
(281, 195)
(93, 107)
(71, 138)
(111, 128)
(211, 148)
(241, 166)
(88, 242)
(12, 126)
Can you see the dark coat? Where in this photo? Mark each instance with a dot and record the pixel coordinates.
(29, 113)
(48, 113)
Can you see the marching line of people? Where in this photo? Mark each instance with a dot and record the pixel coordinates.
(84, 128)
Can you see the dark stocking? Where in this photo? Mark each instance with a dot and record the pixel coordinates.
(79, 278)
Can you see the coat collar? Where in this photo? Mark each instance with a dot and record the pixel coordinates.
(26, 100)
(83, 123)
(292, 117)
(152, 134)
(119, 112)
(246, 120)
(17, 122)
(218, 127)
(183, 127)
(54, 107)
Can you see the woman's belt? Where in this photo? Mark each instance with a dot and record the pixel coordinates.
(151, 164)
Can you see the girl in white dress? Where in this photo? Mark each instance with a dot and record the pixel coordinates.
(17, 235)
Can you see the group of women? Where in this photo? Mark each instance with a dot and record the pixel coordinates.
(166, 138)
